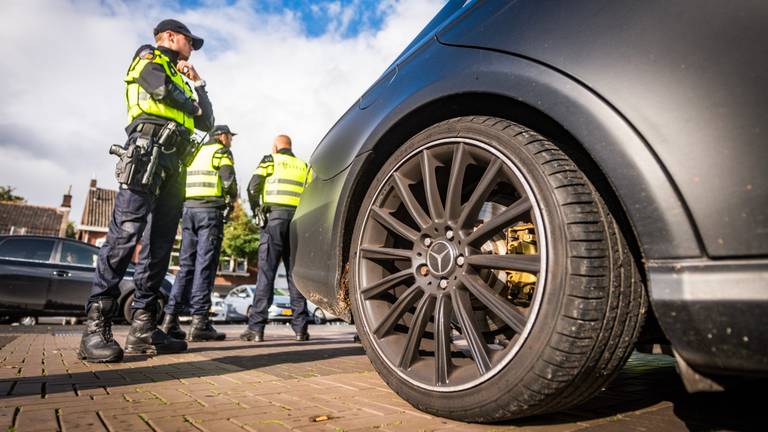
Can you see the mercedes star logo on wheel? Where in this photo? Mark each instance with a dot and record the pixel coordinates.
(440, 257)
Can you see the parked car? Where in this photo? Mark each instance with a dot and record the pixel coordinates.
(52, 276)
(496, 211)
(237, 304)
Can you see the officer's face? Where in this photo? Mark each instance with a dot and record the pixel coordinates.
(181, 44)
(226, 139)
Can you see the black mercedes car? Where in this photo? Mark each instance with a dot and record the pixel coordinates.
(52, 276)
(534, 188)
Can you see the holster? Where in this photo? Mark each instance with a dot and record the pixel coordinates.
(134, 157)
(140, 155)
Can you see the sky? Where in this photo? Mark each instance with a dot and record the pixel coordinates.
(272, 67)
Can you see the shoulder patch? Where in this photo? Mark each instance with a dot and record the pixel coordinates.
(147, 54)
(267, 159)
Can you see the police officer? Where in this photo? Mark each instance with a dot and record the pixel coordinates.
(211, 191)
(276, 188)
(163, 112)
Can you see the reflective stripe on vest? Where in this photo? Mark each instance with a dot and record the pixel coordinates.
(286, 184)
(202, 176)
(140, 102)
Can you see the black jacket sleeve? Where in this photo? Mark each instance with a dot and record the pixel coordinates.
(254, 191)
(205, 121)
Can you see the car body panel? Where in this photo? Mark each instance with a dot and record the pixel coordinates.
(668, 102)
(55, 287)
(698, 67)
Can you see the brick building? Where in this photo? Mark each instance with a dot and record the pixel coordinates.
(20, 218)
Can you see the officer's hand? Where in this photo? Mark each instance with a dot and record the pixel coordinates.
(188, 70)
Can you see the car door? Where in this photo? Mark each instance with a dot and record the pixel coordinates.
(74, 266)
(25, 273)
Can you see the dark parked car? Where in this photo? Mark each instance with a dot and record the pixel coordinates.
(52, 276)
(534, 188)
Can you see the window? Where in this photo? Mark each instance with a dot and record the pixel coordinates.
(34, 249)
(78, 254)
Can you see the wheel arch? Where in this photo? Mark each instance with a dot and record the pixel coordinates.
(483, 104)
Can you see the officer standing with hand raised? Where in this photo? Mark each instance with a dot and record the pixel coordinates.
(211, 193)
(276, 187)
(163, 113)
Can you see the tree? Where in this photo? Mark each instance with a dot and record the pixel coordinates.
(71, 230)
(241, 235)
(6, 194)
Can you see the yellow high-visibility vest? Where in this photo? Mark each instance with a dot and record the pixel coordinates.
(140, 102)
(203, 178)
(286, 177)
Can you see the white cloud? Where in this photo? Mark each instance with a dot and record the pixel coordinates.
(62, 64)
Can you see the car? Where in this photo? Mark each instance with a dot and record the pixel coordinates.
(52, 276)
(533, 189)
(236, 306)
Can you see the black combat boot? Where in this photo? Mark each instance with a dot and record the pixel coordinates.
(97, 344)
(302, 336)
(172, 328)
(252, 335)
(145, 338)
(201, 330)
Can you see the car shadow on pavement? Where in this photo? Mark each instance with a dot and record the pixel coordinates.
(64, 383)
(650, 382)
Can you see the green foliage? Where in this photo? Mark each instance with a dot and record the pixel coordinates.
(71, 232)
(6, 194)
(241, 235)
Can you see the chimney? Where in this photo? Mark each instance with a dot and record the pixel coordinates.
(93, 183)
(66, 202)
(63, 210)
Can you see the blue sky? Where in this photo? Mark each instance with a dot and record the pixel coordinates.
(317, 16)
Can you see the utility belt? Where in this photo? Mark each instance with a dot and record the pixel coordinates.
(137, 167)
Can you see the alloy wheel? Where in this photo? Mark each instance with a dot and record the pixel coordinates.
(451, 264)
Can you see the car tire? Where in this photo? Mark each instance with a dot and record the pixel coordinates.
(318, 316)
(439, 332)
(127, 309)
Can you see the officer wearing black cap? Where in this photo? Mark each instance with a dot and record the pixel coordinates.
(211, 191)
(163, 112)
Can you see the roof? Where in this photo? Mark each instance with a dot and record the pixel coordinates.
(22, 218)
(98, 208)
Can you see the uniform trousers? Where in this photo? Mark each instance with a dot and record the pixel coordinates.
(202, 230)
(275, 246)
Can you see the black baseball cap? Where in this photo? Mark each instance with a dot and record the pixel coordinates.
(178, 27)
(221, 129)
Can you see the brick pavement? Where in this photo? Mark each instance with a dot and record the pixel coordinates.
(326, 384)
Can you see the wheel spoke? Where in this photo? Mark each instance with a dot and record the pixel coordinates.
(442, 339)
(385, 284)
(393, 224)
(501, 220)
(455, 182)
(482, 190)
(374, 252)
(434, 202)
(398, 309)
(462, 306)
(420, 320)
(500, 306)
(526, 263)
(413, 206)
